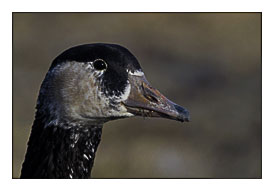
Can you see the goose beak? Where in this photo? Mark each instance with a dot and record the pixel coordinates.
(144, 100)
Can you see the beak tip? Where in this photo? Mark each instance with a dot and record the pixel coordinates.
(187, 119)
(184, 118)
(184, 115)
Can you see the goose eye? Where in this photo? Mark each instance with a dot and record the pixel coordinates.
(99, 64)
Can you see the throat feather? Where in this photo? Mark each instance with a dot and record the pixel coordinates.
(60, 152)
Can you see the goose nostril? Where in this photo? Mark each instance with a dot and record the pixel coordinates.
(149, 94)
(151, 98)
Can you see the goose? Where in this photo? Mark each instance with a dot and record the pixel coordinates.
(85, 87)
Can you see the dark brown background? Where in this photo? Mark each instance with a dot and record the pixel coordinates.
(208, 62)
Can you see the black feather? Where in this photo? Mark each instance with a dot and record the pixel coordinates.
(59, 151)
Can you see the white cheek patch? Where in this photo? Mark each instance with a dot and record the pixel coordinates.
(121, 110)
(136, 73)
(124, 97)
(125, 94)
(99, 104)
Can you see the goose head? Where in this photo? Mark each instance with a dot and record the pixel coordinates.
(95, 83)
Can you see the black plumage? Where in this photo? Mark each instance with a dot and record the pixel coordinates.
(61, 152)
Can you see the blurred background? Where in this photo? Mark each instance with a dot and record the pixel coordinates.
(209, 63)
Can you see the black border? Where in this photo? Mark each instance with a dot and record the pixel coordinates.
(149, 13)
